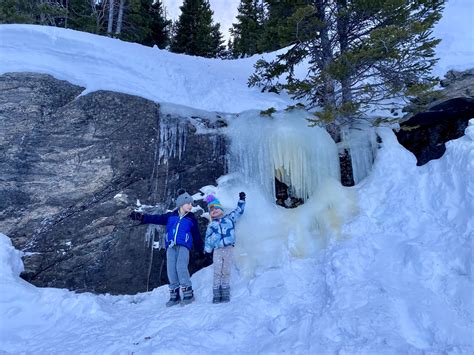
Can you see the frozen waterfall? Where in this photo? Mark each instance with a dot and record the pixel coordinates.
(284, 147)
(361, 141)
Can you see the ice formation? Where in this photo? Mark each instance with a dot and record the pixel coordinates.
(304, 158)
(361, 141)
(284, 147)
(173, 132)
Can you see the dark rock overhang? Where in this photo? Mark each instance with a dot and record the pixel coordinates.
(426, 133)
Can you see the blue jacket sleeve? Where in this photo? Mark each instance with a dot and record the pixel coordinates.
(161, 219)
(239, 211)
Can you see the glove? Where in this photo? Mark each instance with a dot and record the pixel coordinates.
(242, 196)
(136, 216)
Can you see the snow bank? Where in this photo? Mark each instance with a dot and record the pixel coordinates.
(10, 260)
(397, 278)
(102, 63)
(410, 267)
(27, 311)
(457, 37)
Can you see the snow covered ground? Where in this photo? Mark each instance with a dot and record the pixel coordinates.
(396, 278)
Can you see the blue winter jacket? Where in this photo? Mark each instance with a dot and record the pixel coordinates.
(220, 232)
(180, 230)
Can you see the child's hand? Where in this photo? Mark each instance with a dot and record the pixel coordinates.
(136, 216)
(242, 196)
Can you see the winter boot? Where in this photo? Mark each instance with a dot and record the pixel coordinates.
(225, 294)
(216, 295)
(174, 297)
(188, 295)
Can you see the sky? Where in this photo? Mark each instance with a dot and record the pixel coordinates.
(225, 12)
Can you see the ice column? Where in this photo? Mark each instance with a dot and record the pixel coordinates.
(173, 130)
(282, 146)
(361, 141)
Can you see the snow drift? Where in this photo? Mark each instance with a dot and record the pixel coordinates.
(398, 280)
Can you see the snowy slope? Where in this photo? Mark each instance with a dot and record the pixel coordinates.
(399, 281)
(397, 278)
(97, 62)
(101, 63)
(456, 29)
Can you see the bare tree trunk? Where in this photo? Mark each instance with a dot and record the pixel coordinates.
(111, 17)
(120, 17)
(98, 10)
(326, 55)
(342, 31)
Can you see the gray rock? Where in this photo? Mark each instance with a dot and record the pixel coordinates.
(458, 84)
(426, 133)
(72, 168)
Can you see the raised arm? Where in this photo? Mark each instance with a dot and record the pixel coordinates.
(239, 211)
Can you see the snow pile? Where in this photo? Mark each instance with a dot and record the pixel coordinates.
(397, 278)
(101, 63)
(410, 268)
(27, 311)
(10, 260)
(457, 34)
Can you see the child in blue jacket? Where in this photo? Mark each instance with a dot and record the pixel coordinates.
(220, 237)
(182, 231)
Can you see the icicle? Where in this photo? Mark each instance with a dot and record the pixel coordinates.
(283, 147)
(173, 132)
(361, 141)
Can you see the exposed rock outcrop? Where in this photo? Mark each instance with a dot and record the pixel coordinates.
(73, 166)
(426, 133)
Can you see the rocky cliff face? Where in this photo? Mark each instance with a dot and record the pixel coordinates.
(426, 133)
(73, 166)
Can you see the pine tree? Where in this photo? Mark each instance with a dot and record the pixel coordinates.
(135, 25)
(227, 53)
(195, 33)
(361, 53)
(43, 12)
(15, 11)
(279, 28)
(87, 16)
(248, 29)
(217, 45)
(159, 27)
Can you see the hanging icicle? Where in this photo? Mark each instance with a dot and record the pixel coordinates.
(173, 132)
(282, 147)
(361, 141)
